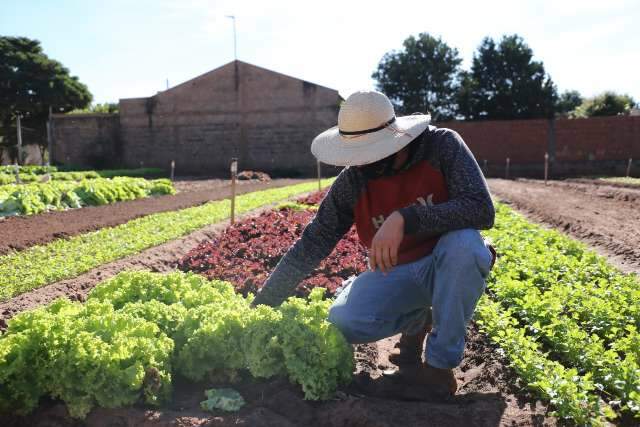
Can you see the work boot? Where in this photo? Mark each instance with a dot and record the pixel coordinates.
(408, 350)
(436, 377)
(434, 381)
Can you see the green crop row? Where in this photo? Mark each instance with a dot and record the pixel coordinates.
(600, 299)
(65, 258)
(563, 297)
(570, 393)
(614, 368)
(38, 175)
(35, 198)
(30, 169)
(139, 329)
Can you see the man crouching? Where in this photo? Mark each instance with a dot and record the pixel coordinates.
(418, 199)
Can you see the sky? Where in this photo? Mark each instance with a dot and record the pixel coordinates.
(130, 48)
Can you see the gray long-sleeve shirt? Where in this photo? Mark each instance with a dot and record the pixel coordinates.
(439, 189)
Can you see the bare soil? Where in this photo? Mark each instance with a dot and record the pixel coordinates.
(603, 216)
(20, 232)
(489, 395)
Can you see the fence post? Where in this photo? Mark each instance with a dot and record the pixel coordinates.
(629, 167)
(173, 169)
(234, 171)
(484, 167)
(506, 173)
(546, 167)
(16, 170)
(49, 138)
(319, 177)
(19, 131)
(48, 145)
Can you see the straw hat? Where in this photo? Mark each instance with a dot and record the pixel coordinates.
(368, 130)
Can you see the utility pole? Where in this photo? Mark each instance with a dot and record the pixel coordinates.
(235, 50)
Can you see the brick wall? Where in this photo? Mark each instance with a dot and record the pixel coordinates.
(86, 139)
(598, 145)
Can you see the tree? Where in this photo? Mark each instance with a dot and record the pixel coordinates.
(506, 83)
(567, 102)
(422, 77)
(606, 104)
(106, 108)
(30, 84)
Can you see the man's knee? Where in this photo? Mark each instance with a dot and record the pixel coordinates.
(464, 249)
(356, 329)
(339, 317)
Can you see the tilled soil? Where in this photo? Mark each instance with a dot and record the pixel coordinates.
(20, 232)
(605, 217)
(489, 395)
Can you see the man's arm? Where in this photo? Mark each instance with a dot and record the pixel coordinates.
(469, 204)
(320, 236)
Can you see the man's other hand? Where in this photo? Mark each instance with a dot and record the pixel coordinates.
(385, 244)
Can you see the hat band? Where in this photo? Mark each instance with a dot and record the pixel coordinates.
(362, 132)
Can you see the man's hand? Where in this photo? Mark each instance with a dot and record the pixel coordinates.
(384, 246)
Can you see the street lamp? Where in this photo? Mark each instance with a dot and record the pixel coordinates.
(235, 52)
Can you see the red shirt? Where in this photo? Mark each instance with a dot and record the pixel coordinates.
(419, 184)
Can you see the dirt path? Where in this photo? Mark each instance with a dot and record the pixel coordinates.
(605, 217)
(489, 395)
(21, 232)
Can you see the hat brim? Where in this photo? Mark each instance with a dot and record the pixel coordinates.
(334, 149)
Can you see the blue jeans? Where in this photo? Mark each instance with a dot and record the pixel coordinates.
(442, 288)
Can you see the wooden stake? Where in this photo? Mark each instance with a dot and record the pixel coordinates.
(48, 145)
(19, 130)
(486, 171)
(49, 137)
(629, 167)
(173, 169)
(319, 177)
(506, 173)
(234, 172)
(17, 170)
(546, 167)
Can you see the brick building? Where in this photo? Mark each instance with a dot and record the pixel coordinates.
(265, 119)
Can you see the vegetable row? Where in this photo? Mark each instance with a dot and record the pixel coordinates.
(28, 174)
(566, 301)
(246, 252)
(138, 330)
(35, 198)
